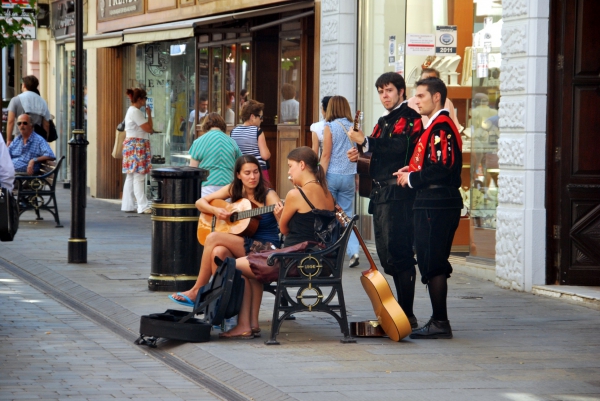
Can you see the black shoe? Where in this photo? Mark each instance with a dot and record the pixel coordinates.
(413, 322)
(354, 261)
(433, 329)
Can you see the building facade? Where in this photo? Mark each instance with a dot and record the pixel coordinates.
(519, 74)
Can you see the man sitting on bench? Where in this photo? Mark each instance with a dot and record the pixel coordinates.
(28, 150)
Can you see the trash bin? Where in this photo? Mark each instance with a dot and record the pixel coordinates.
(176, 253)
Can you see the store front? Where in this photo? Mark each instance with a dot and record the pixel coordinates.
(222, 60)
(461, 39)
(63, 32)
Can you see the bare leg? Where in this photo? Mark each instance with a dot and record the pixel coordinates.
(253, 290)
(257, 293)
(243, 324)
(235, 247)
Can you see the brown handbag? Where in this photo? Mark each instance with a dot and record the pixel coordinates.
(268, 274)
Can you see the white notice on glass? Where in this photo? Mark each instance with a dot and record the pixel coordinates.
(420, 44)
(392, 50)
(482, 65)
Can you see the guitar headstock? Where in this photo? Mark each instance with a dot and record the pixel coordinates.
(341, 215)
(357, 119)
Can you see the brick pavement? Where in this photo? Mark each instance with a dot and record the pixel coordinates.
(50, 352)
(507, 345)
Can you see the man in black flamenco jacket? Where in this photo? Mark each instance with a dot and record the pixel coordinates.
(391, 145)
(434, 172)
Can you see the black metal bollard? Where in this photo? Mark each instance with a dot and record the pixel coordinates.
(176, 253)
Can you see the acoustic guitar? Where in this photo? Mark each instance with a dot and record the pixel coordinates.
(390, 315)
(242, 221)
(363, 165)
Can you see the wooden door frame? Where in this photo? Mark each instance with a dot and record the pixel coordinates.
(553, 123)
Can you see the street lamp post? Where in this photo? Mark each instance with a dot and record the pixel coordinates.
(77, 251)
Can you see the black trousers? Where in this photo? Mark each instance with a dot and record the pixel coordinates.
(394, 234)
(434, 232)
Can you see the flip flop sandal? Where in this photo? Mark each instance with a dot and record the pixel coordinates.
(247, 335)
(188, 302)
(256, 331)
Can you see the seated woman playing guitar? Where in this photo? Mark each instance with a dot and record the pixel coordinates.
(296, 222)
(248, 182)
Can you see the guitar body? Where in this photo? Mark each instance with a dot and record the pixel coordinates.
(243, 228)
(390, 315)
(363, 168)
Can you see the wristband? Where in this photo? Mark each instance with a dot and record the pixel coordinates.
(365, 142)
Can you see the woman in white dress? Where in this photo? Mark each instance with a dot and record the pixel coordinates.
(318, 127)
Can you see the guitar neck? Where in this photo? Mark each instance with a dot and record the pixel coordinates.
(345, 220)
(364, 248)
(247, 214)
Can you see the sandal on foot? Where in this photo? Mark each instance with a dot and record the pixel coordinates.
(187, 301)
(256, 331)
(247, 335)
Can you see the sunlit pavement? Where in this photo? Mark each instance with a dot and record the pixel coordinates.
(507, 345)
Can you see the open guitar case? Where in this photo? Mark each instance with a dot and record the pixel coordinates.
(220, 299)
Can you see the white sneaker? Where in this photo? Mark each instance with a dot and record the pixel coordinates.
(354, 261)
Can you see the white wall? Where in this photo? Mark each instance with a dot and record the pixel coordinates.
(338, 49)
(521, 215)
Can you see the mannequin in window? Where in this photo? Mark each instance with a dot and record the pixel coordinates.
(290, 107)
(229, 114)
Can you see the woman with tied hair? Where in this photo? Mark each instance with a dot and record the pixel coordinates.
(296, 222)
(341, 172)
(249, 183)
(250, 138)
(136, 152)
(216, 152)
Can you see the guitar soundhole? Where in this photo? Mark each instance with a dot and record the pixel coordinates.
(233, 217)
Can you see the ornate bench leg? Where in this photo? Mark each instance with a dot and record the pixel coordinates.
(344, 323)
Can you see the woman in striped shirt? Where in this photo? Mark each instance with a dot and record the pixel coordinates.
(250, 138)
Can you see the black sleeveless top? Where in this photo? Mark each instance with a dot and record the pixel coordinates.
(302, 226)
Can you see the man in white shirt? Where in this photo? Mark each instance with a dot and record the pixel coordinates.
(202, 112)
(7, 169)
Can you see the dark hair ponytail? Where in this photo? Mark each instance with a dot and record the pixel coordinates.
(310, 159)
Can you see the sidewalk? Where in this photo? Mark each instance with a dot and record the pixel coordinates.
(507, 345)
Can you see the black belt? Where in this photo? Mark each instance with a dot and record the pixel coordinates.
(385, 183)
(438, 186)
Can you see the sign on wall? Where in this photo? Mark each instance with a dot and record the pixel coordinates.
(420, 44)
(62, 17)
(445, 40)
(114, 9)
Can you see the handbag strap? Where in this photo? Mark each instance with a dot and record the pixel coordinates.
(344, 128)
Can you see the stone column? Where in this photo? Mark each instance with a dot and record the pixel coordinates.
(521, 215)
(338, 49)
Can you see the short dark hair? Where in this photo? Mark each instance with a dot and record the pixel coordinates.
(31, 82)
(435, 85)
(391, 78)
(202, 99)
(252, 107)
(214, 120)
(325, 102)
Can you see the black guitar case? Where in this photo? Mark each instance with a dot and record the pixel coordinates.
(221, 298)
(9, 215)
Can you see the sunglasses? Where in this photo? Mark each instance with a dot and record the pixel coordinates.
(261, 117)
(22, 123)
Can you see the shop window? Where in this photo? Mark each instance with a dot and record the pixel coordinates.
(405, 37)
(166, 71)
(289, 106)
(230, 115)
(217, 79)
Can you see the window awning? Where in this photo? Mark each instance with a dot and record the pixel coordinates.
(185, 29)
(111, 39)
(107, 40)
